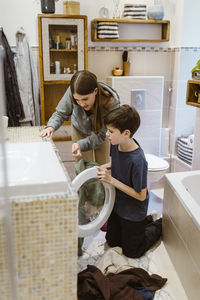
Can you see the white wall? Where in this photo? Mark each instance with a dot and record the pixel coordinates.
(174, 13)
(183, 15)
(190, 36)
(17, 13)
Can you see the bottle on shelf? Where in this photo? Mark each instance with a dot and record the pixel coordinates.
(73, 38)
(57, 42)
(75, 68)
(67, 43)
(51, 42)
(52, 67)
(66, 70)
(57, 67)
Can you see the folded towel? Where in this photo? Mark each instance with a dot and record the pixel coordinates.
(135, 11)
(189, 140)
(135, 16)
(107, 30)
(184, 149)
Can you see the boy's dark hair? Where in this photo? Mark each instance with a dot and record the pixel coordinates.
(122, 118)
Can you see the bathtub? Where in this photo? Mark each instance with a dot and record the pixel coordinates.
(181, 227)
(186, 186)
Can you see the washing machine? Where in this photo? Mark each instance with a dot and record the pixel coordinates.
(94, 216)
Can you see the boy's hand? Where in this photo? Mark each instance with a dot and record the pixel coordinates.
(104, 175)
(76, 150)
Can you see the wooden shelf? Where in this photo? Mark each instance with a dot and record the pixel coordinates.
(144, 25)
(193, 93)
(52, 85)
(63, 50)
(56, 82)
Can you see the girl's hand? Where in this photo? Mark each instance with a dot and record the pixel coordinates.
(104, 175)
(47, 132)
(76, 150)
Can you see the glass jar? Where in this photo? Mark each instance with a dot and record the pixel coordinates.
(48, 6)
(156, 11)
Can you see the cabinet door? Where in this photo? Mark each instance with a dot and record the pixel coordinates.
(62, 47)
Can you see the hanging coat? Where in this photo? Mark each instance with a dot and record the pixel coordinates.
(27, 77)
(14, 106)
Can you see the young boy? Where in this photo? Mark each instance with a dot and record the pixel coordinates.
(129, 227)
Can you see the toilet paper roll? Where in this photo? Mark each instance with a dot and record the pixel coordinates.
(164, 142)
(57, 67)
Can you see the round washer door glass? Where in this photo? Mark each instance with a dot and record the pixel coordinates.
(96, 201)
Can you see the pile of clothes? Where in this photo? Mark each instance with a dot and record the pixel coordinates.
(184, 146)
(113, 278)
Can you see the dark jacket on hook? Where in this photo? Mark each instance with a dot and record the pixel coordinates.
(14, 106)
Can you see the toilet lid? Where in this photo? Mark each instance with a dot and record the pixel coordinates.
(93, 226)
(156, 163)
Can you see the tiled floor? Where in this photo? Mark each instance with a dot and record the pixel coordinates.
(155, 260)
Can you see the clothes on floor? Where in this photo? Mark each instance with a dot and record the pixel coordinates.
(135, 238)
(145, 293)
(104, 227)
(93, 285)
(113, 261)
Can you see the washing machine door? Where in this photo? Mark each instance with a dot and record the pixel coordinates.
(92, 216)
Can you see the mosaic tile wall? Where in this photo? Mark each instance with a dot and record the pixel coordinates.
(44, 239)
(4, 279)
(45, 247)
(174, 63)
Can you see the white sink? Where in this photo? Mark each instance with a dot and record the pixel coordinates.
(32, 168)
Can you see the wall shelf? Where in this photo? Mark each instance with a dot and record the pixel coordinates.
(135, 30)
(63, 50)
(193, 93)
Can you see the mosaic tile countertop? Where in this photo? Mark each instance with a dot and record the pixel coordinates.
(24, 134)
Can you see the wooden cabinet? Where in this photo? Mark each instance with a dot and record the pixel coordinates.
(134, 30)
(63, 49)
(193, 93)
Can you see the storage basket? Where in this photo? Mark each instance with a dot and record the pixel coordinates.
(71, 8)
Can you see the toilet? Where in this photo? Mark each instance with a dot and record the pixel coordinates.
(157, 167)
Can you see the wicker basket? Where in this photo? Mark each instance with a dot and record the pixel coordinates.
(71, 8)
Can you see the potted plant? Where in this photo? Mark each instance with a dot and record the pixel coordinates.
(196, 71)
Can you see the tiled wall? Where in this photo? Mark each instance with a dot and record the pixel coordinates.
(144, 62)
(45, 244)
(149, 133)
(182, 116)
(175, 64)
